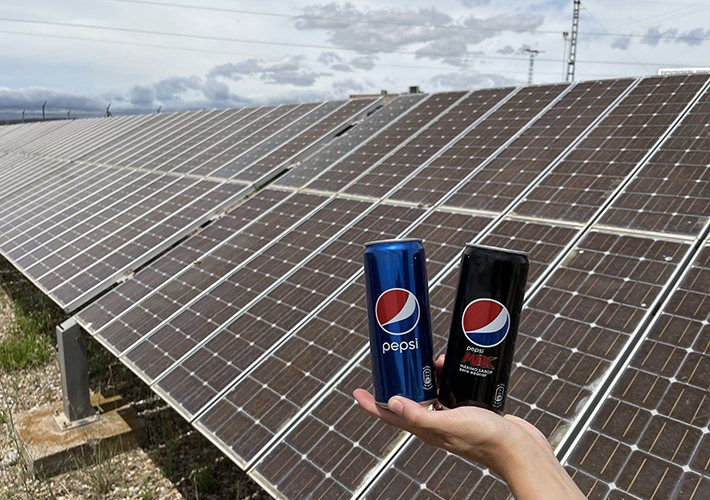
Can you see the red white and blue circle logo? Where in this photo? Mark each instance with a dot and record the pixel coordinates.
(397, 311)
(485, 322)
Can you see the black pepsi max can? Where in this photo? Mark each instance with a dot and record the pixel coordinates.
(401, 344)
(479, 354)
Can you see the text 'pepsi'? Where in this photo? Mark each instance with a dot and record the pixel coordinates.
(484, 326)
(401, 346)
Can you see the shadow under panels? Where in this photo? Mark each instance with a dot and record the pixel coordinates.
(579, 185)
(349, 141)
(671, 193)
(270, 396)
(463, 157)
(459, 113)
(504, 178)
(650, 437)
(336, 447)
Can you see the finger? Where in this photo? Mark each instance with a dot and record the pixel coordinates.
(439, 366)
(415, 416)
(368, 403)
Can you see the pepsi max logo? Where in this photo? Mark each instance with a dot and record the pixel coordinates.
(397, 311)
(485, 322)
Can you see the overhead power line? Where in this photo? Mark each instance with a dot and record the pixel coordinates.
(285, 44)
(393, 23)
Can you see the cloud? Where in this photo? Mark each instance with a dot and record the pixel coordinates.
(474, 3)
(506, 51)
(429, 33)
(287, 70)
(344, 88)
(174, 87)
(695, 37)
(621, 43)
(30, 100)
(141, 97)
(329, 58)
(469, 79)
(364, 62)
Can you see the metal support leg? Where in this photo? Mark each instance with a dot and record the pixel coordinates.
(75, 371)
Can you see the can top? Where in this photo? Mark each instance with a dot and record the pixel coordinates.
(497, 249)
(395, 240)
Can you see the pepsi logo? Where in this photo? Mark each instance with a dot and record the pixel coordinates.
(485, 322)
(397, 311)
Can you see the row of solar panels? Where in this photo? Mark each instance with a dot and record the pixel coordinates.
(88, 201)
(254, 328)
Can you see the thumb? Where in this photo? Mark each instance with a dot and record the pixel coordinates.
(414, 414)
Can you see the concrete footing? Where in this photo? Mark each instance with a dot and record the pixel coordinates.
(52, 445)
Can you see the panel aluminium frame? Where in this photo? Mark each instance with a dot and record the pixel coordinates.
(562, 253)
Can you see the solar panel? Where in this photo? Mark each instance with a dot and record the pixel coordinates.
(670, 194)
(577, 187)
(546, 140)
(649, 437)
(478, 143)
(253, 328)
(348, 142)
(74, 241)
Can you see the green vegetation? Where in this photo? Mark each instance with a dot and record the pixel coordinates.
(29, 342)
(30, 339)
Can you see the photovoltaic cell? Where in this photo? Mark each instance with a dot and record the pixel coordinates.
(650, 437)
(576, 188)
(352, 139)
(671, 193)
(478, 144)
(513, 170)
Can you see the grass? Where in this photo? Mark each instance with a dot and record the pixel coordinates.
(30, 340)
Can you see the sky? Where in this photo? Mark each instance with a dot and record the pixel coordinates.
(140, 56)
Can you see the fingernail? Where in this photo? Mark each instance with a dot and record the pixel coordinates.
(395, 405)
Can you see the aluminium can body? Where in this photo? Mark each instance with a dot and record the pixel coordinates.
(401, 346)
(484, 326)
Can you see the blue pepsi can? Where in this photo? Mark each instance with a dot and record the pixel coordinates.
(401, 344)
(484, 326)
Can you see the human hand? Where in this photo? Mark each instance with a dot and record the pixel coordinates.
(509, 446)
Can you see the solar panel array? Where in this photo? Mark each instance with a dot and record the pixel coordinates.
(89, 201)
(254, 327)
